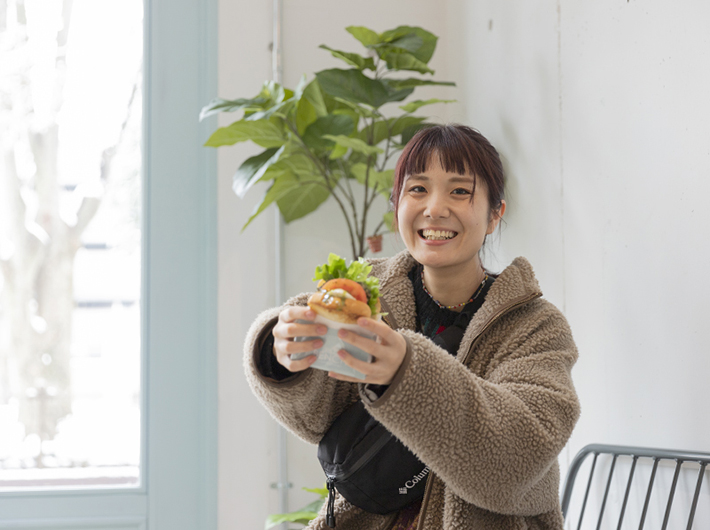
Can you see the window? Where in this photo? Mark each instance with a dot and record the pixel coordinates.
(70, 243)
(177, 488)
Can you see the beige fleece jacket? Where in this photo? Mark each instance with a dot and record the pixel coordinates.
(489, 423)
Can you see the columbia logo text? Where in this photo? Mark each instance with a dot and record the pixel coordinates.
(414, 480)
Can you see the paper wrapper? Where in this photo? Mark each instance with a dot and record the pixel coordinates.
(327, 355)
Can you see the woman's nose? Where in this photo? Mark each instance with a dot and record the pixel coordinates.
(436, 207)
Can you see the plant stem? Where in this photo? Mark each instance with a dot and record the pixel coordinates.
(377, 229)
(350, 195)
(347, 220)
(366, 202)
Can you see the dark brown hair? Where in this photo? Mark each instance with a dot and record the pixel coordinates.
(461, 150)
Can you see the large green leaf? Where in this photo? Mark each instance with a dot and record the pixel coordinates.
(403, 122)
(218, 105)
(263, 132)
(323, 492)
(305, 115)
(374, 133)
(353, 85)
(311, 105)
(275, 92)
(383, 179)
(333, 124)
(338, 151)
(278, 189)
(314, 95)
(398, 94)
(289, 173)
(350, 112)
(303, 199)
(252, 169)
(412, 82)
(409, 131)
(366, 36)
(358, 109)
(402, 40)
(355, 144)
(414, 105)
(414, 39)
(300, 164)
(402, 60)
(279, 110)
(353, 59)
(380, 130)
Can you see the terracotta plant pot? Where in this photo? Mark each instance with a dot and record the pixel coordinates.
(375, 243)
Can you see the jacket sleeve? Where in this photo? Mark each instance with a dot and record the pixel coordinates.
(493, 439)
(305, 403)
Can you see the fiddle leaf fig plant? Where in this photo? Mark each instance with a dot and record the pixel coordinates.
(332, 134)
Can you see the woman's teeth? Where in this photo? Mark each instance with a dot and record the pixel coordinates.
(437, 235)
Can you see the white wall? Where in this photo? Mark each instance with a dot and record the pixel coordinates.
(602, 114)
(601, 111)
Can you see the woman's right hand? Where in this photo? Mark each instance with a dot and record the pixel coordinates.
(286, 329)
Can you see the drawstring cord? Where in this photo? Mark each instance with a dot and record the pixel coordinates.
(330, 511)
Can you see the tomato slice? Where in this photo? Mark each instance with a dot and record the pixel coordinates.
(350, 286)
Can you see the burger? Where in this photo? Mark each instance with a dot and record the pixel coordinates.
(345, 293)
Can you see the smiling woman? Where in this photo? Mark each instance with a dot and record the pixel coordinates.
(448, 196)
(470, 369)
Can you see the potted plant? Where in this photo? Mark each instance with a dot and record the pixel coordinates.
(330, 135)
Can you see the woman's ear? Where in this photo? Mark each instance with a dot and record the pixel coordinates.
(496, 216)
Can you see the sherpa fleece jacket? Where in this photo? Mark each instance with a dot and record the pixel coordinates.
(489, 422)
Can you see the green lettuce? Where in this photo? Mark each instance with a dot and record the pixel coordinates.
(357, 271)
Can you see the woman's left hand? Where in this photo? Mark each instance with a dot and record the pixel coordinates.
(387, 354)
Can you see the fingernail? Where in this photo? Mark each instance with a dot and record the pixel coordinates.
(342, 334)
(363, 322)
(318, 344)
(321, 330)
(342, 353)
(310, 314)
(312, 359)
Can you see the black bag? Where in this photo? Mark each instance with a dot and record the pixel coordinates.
(368, 465)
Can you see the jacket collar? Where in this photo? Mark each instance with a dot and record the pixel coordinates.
(516, 284)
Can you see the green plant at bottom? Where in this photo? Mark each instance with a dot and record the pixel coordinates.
(302, 516)
(330, 135)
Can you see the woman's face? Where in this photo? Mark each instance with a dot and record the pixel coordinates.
(439, 224)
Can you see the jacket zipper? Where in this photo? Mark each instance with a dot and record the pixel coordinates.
(389, 317)
(488, 324)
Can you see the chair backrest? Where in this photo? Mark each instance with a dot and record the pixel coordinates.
(688, 461)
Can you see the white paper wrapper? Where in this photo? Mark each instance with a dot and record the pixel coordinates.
(328, 359)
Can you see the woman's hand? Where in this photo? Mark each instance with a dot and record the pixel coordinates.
(286, 329)
(387, 354)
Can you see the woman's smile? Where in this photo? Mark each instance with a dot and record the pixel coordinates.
(436, 234)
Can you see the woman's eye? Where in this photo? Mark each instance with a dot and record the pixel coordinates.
(461, 191)
(417, 189)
